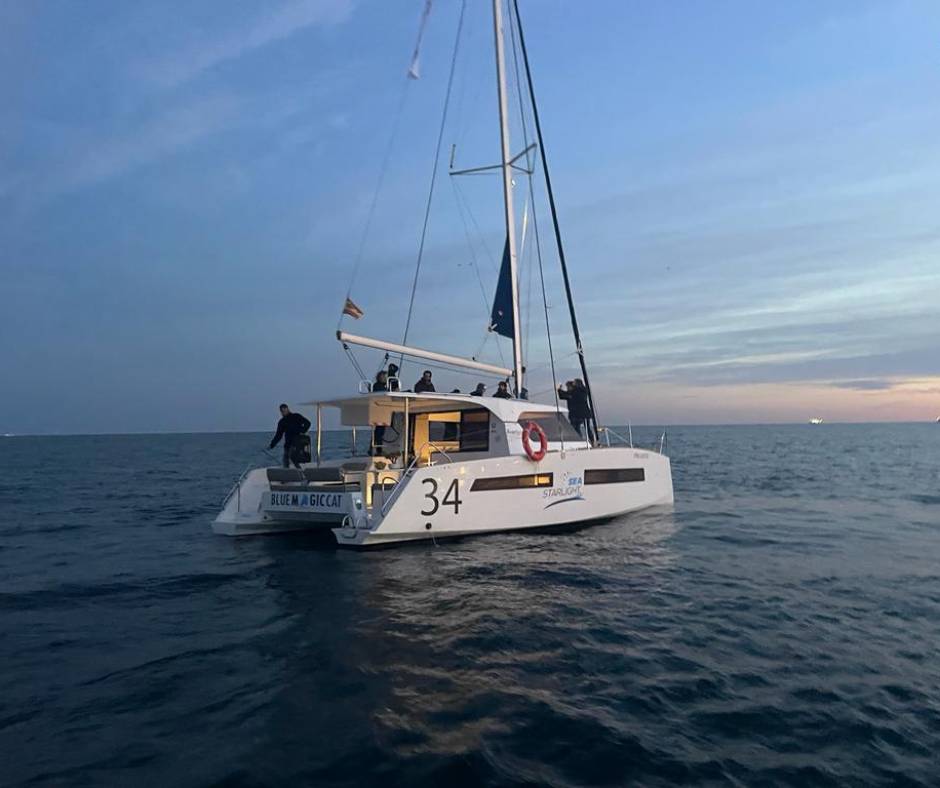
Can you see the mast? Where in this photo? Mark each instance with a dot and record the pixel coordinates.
(554, 211)
(506, 165)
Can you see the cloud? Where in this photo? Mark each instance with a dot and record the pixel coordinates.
(172, 131)
(289, 115)
(868, 384)
(108, 157)
(289, 19)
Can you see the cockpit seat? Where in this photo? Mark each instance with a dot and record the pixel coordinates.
(295, 476)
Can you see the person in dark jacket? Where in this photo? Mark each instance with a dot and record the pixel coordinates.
(577, 404)
(393, 377)
(425, 383)
(479, 391)
(289, 427)
(585, 404)
(502, 390)
(378, 432)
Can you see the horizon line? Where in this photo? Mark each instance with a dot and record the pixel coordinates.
(264, 431)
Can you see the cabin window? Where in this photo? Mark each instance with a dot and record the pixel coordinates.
(512, 482)
(456, 431)
(474, 430)
(614, 475)
(555, 425)
(443, 428)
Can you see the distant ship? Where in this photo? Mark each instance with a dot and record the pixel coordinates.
(817, 420)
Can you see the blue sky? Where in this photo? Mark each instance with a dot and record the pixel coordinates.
(748, 193)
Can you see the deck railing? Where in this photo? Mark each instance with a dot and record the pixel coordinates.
(607, 432)
(396, 490)
(237, 489)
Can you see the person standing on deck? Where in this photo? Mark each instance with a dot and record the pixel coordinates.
(378, 432)
(290, 426)
(577, 404)
(585, 405)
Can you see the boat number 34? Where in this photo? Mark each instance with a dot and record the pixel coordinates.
(451, 497)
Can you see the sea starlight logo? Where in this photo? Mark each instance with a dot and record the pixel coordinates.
(569, 490)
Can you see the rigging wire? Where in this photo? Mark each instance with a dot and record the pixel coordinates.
(473, 256)
(383, 170)
(456, 370)
(466, 203)
(352, 358)
(535, 224)
(411, 74)
(551, 201)
(499, 348)
(437, 158)
(463, 209)
(487, 300)
(529, 270)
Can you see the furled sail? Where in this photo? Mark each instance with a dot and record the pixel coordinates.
(501, 316)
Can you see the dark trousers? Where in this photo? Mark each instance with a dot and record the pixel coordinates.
(378, 440)
(584, 426)
(286, 459)
(577, 423)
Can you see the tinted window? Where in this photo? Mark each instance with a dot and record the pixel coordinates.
(555, 426)
(512, 482)
(474, 430)
(441, 431)
(614, 475)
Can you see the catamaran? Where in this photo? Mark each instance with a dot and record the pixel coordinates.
(449, 465)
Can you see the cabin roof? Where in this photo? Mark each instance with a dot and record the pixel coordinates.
(503, 409)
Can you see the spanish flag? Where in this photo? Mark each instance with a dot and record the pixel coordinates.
(352, 310)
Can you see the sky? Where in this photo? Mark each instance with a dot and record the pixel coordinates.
(747, 191)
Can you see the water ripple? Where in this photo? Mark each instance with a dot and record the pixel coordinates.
(779, 626)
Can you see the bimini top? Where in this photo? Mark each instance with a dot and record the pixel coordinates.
(377, 408)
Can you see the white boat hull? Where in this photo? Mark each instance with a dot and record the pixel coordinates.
(256, 507)
(426, 506)
(464, 498)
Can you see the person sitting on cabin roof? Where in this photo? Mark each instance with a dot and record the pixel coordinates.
(479, 391)
(381, 381)
(502, 390)
(425, 383)
(393, 375)
(290, 427)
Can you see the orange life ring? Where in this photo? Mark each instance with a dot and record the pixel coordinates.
(534, 455)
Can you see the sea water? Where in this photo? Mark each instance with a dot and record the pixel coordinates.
(780, 625)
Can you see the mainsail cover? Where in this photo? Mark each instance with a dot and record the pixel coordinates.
(501, 317)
